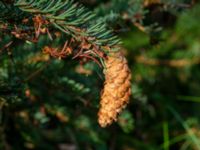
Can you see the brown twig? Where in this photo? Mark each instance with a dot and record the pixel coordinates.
(37, 72)
(6, 46)
(139, 26)
(170, 63)
(92, 58)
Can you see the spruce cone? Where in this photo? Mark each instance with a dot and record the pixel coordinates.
(117, 88)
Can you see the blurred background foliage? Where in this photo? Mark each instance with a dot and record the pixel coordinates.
(47, 103)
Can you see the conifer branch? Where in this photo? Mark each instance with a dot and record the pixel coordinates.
(74, 20)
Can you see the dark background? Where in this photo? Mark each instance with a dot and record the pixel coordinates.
(56, 106)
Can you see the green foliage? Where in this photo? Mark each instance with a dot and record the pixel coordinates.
(69, 17)
(48, 103)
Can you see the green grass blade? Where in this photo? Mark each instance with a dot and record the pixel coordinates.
(165, 135)
(189, 98)
(193, 137)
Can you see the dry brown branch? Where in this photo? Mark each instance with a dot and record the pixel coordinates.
(139, 26)
(170, 63)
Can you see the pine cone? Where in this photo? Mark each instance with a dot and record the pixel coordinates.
(117, 88)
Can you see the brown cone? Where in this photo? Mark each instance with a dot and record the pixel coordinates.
(117, 88)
